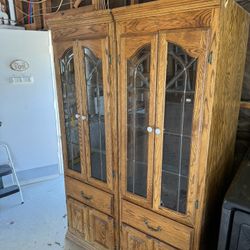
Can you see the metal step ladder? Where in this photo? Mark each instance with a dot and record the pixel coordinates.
(9, 169)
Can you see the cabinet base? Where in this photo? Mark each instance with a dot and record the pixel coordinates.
(81, 243)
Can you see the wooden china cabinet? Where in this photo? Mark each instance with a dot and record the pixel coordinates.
(149, 98)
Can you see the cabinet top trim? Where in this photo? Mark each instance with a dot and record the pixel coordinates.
(161, 7)
(86, 15)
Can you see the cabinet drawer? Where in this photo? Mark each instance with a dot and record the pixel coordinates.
(89, 195)
(162, 228)
(133, 239)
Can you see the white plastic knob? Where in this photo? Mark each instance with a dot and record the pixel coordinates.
(150, 129)
(157, 131)
(77, 116)
(84, 117)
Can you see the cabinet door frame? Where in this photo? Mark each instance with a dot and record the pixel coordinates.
(125, 52)
(100, 47)
(59, 49)
(196, 48)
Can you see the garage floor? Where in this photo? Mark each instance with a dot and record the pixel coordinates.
(40, 223)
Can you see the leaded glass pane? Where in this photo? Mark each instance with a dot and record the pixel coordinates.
(95, 104)
(179, 105)
(138, 73)
(70, 109)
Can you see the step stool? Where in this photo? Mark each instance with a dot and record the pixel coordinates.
(9, 169)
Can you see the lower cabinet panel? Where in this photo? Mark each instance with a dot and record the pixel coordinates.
(90, 225)
(141, 229)
(101, 230)
(157, 226)
(78, 219)
(135, 240)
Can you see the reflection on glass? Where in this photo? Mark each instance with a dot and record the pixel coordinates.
(138, 70)
(179, 105)
(70, 109)
(95, 103)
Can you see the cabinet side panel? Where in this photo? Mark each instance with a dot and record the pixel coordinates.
(234, 27)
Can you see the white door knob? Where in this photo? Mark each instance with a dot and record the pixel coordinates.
(77, 116)
(150, 129)
(157, 131)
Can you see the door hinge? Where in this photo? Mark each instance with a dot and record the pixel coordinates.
(196, 204)
(110, 59)
(210, 57)
(113, 173)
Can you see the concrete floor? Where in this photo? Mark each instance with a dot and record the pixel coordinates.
(40, 223)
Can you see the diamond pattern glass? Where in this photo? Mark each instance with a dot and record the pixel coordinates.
(179, 105)
(138, 72)
(95, 105)
(70, 110)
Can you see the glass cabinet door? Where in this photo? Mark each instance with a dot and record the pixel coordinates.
(68, 91)
(96, 111)
(137, 93)
(181, 58)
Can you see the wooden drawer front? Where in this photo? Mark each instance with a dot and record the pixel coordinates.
(101, 230)
(78, 219)
(155, 225)
(89, 195)
(135, 240)
(158, 245)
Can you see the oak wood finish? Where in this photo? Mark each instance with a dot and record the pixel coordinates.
(89, 195)
(133, 239)
(100, 48)
(89, 225)
(129, 45)
(78, 241)
(78, 219)
(101, 230)
(59, 50)
(215, 32)
(99, 37)
(228, 69)
(197, 49)
(160, 227)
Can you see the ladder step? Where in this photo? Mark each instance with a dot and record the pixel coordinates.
(9, 191)
(5, 170)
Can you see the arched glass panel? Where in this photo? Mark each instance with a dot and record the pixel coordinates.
(138, 80)
(70, 109)
(95, 104)
(179, 104)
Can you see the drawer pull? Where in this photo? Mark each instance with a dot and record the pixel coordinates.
(86, 197)
(158, 229)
